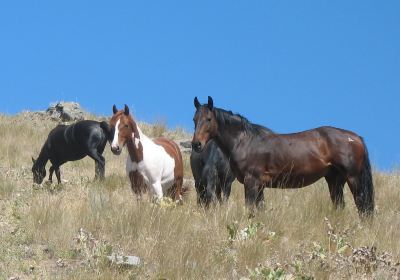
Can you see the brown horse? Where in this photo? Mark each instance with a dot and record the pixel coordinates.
(152, 164)
(261, 158)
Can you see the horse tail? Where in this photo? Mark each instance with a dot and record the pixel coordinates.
(107, 131)
(365, 182)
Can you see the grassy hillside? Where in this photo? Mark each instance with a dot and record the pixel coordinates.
(66, 232)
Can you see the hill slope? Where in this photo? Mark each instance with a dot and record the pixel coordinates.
(66, 232)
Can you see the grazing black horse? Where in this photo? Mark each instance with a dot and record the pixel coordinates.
(260, 159)
(72, 142)
(212, 174)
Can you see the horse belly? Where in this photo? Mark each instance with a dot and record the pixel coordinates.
(305, 180)
(64, 156)
(299, 179)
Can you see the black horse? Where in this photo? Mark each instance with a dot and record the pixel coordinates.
(72, 142)
(212, 174)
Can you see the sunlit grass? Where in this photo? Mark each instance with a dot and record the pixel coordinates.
(39, 225)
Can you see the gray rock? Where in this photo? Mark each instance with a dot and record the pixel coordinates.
(124, 260)
(185, 146)
(66, 111)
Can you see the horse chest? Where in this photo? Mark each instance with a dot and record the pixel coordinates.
(133, 166)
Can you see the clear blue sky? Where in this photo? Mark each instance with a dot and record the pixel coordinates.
(289, 65)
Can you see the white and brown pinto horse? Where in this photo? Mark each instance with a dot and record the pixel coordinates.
(152, 164)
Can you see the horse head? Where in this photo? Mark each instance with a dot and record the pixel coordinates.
(39, 171)
(123, 127)
(205, 123)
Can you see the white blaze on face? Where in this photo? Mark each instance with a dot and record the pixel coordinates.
(114, 144)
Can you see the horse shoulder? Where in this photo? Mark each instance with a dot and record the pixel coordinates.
(54, 138)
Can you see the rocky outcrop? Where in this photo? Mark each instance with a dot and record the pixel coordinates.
(185, 145)
(66, 112)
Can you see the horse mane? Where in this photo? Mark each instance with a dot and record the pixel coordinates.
(229, 118)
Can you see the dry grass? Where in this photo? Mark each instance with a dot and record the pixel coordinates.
(287, 240)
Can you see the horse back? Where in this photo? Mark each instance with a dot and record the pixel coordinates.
(172, 149)
(308, 154)
(72, 142)
(323, 142)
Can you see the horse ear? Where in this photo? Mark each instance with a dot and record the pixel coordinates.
(196, 103)
(115, 110)
(126, 110)
(33, 160)
(210, 103)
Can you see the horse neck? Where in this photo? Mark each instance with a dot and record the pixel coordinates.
(136, 145)
(43, 156)
(228, 137)
(143, 137)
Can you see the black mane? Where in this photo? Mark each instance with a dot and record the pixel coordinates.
(229, 118)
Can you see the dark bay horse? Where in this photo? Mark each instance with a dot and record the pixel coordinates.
(69, 143)
(152, 164)
(212, 174)
(260, 159)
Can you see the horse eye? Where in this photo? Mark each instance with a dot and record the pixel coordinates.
(126, 126)
(209, 119)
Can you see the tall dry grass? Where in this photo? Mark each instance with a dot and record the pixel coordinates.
(288, 239)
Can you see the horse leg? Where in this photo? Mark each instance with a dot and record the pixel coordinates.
(99, 163)
(220, 187)
(210, 195)
(336, 183)
(226, 187)
(58, 174)
(137, 183)
(157, 189)
(260, 197)
(102, 164)
(177, 194)
(218, 191)
(99, 169)
(200, 190)
(51, 170)
(252, 191)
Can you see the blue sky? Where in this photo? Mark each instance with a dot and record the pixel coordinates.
(289, 65)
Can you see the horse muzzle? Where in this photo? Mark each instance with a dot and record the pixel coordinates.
(116, 150)
(196, 146)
